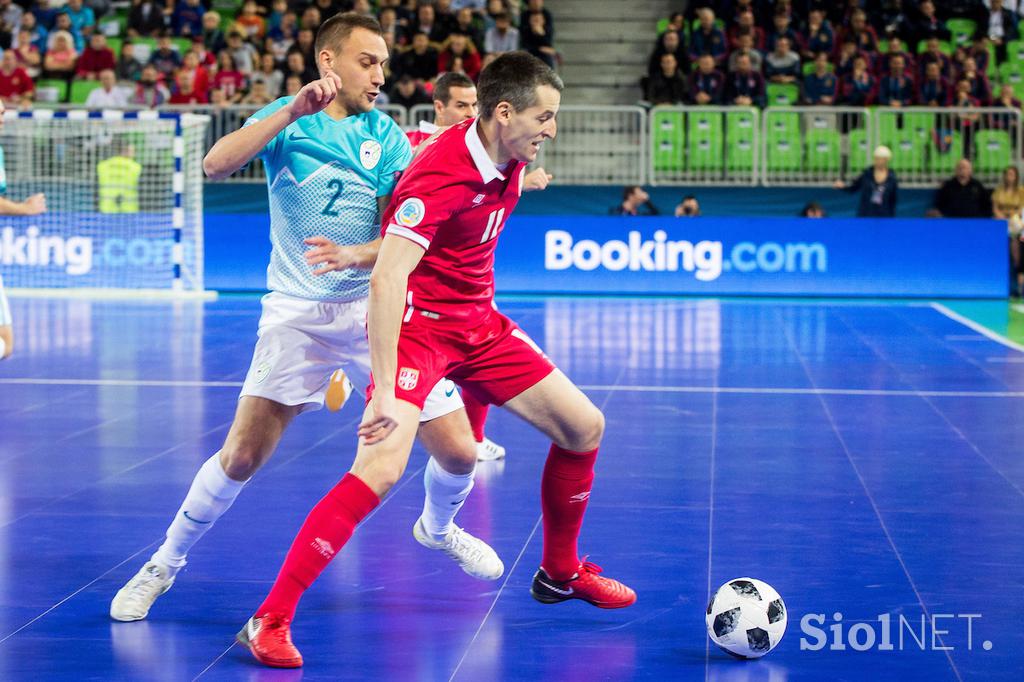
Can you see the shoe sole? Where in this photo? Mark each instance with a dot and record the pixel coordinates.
(548, 599)
(143, 616)
(243, 639)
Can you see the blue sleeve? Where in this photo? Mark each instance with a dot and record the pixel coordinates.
(272, 146)
(395, 157)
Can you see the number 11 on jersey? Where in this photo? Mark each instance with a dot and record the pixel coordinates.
(493, 223)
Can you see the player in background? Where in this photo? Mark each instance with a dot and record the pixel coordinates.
(431, 314)
(332, 160)
(34, 205)
(455, 100)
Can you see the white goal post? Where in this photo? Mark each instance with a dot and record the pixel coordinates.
(124, 195)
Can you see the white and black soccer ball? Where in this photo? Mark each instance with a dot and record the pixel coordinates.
(746, 618)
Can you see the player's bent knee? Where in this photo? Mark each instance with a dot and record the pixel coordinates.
(241, 462)
(379, 476)
(586, 432)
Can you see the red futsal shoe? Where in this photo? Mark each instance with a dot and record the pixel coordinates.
(269, 638)
(587, 585)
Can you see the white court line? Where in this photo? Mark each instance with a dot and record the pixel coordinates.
(711, 520)
(984, 331)
(613, 388)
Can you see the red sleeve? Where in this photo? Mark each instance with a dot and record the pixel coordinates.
(421, 204)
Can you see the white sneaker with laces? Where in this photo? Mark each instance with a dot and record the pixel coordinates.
(132, 601)
(488, 451)
(472, 554)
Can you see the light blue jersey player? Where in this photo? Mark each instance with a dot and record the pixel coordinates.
(332, 160)
(34, 205)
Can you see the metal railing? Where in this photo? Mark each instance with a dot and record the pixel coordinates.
(701, 146)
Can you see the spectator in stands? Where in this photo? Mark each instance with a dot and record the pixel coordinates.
(471, 27)
(980, 89)
(63, 23)
(107, 95)
(896, 47)
(860, 88)
(745, 46)
(782, 65)
(419, 61)
(213, 36)
(425, 21)
(708, 38)
(502, 37)
(146, 18)
(707, 82)
(783, 29)
(812, 210)
(844, 63)
(185, 92)
(861, 33)
(229, 79)
(897, 88)
(269, 75)
(928, 25)
(1007, 100)
(1007, 204)
(10, 19)
(37, 32)
(16, 86)
(459, 55)
(60, 59)
(96, 58)
(128, 67)
(445, 16)
(877, 186)
(535, 39)
(311, 18)
(27, 54)
(258, 95)
(962, 99)
(408, 93)
(635, 202)
(998, 24)
(278, 10)
(934, 53)
(934, 90)
(745, 86)
(243, 53)
(292, 85)
(165, 58)
(821, 87)
(197, 72)
(667, 86)
(188, 18)
(363, 7)
(534, 6)
(82, 18)
(149, 91)
(305, 42)
(249, 23)
(283, 38)
(677, 23)
(962, 196)
(689, 207)
(745, 24)
(295, 65)
(669, 42)
(820, 37)
(891, 19)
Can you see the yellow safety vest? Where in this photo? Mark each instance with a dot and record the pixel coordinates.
(119, 184)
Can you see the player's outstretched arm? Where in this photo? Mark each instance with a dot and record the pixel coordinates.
(326, 256)
(388, 285)
(34, 205)
(238, 148)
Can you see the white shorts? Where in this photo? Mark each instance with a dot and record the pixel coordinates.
(5, 308)
(302, 342)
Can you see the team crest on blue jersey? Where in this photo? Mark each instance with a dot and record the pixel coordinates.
(410, 213)
(369, 154)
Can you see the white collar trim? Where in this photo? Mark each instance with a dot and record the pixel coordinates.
(488, 170)
(428, 127)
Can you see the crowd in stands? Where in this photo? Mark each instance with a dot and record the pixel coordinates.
(187, 52)
(894, 53)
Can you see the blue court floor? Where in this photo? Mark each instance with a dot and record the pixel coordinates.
(864, 459)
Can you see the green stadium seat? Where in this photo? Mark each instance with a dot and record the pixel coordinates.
(993, 151)
(704, 141)
(942, 159)
(962, 30)
(858, 150)
(824, 151)
(662, 26)
(785, 148)
(51, 91)
(945, 47)
(182, 45)
(740, 138)
(886, 124)
(667, 137)
(808, 68)
(920, 124)
(908, 152)
(115, 44)
(1015, 52)
(80, 90)
(785, 124)
(782, 94)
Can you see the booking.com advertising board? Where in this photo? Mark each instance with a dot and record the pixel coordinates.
(759, 256)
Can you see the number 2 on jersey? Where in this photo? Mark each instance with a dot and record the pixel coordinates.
(493, 224)
(329, 209)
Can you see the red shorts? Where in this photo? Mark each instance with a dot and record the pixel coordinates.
(495, 360)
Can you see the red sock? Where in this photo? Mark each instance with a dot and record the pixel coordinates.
(564, 491)
(477, 413)
(327, 528)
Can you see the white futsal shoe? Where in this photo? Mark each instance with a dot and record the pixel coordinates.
(488, 451)
(339, 390)
(132, 602)
(472, 554)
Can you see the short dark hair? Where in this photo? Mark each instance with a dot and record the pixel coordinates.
(444, 84)
(514, 78)
(628, 190)
(337, 29)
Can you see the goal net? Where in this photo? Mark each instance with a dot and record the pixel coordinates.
(124, 196)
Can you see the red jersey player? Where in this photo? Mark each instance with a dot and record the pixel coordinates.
(431, 315)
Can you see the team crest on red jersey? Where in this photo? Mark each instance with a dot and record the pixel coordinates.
(408, 378)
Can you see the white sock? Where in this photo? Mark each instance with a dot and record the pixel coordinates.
(446, 493)
(3, 347)
(211, 495)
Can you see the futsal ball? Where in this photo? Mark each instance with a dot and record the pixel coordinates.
(746, 618)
